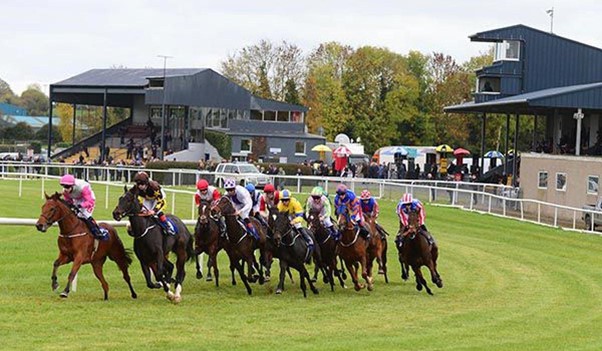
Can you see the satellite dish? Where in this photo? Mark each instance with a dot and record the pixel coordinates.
(341, 138)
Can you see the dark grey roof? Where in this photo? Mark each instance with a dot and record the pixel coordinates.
(573, 96)
(123, 77)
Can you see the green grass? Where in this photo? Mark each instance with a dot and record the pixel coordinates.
(508, 286)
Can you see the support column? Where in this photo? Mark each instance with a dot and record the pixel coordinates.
(73, 131)
(515, 156)
(578, 116)
(506, 144)
(104, 127)
(50, 127)
(483, 126)
(534, 143)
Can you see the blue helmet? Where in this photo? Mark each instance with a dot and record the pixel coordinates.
(250, 187)
(285, 195)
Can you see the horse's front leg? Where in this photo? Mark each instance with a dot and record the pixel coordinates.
(353, 272)
(210, 263)
(435, 278)
(367, 273)
(146, 271)
(283, 269)
(420, 281)
(198, 263)
(77, 263)
(61, 260)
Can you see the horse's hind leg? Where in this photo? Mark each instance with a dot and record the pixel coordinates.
(97, 268)
(420, 281)
(77, 263)
(241, 272)
(198, 263)
(61, 260)
(209, 264)
(435, 278)
(122, 259)
(213, 258)
(366, 265)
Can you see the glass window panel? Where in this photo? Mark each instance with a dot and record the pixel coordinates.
(223, 119)
(282, 116)
(592, 185)
(256, 115)
(245, 145)
(561, 181)
(296, 116)
(299, 147)
(543, 180)
(269, 115)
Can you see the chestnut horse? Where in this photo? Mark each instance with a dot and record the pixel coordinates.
(76, 244)
(377, 249)
(353, 250)
(207, 239)
(239, 245)
(327, 249)
(417, 251)
(152, 247)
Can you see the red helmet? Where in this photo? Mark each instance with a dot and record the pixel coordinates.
(269, 188)
(202, 184)
(365, 195)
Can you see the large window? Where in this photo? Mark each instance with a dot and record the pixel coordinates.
(269, 115)
(561, 181)
(592, 185)
(245, 145)
(488, 85)
(508, 50)
(543, 180)
(300, 147)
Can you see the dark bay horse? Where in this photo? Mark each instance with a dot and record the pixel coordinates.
(328, 248)
(239, 245)
(76, 244)
(152, 247)
(207, 239)
(353, 250)
(377, 249)
(416, 252)
(291, 250)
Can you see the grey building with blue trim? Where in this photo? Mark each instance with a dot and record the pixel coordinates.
(555, 81)
(196, 100)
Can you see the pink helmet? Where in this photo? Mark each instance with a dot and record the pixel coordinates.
(67, 179)
(365, 195)
(341, 189)
(406, 199)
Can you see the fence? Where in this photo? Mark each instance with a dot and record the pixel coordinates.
(493, 199)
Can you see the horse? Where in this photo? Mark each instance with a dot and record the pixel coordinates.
(207, 239)
(77, 245)
(353, 250)
(291, 250)
(152, 248)
(416, 252)
(377, 249)
(327, 250)
(239, 245)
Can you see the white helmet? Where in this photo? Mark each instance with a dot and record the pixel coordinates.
(229, 183)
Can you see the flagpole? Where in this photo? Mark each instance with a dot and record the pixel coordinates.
(551, 13)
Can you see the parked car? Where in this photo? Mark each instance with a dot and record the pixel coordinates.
(597, 215)
(243, 173)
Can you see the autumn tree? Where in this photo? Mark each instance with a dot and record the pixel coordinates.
(35, 101)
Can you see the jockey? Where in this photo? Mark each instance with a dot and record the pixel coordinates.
(405, 205)
(255, 195)
(292, 207)
(320, 203)
(79, 193)
(152, 198)
(270, 198)
(241, 199)
(345, 198)
(211, 194)
(370, 208)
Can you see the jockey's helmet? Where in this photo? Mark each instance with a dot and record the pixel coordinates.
(317, 192)
(229, 183)
(67, 179)
(285, 194)
(365, 195)
(342, 189)
(269, 188)
(250, 187)
(141, 178)
(202, 184)
(406, 199)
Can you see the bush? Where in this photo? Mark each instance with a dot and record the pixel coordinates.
(289, 168)
(221, 141)
(36, 146)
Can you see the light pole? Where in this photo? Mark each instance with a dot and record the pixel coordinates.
(162, 149)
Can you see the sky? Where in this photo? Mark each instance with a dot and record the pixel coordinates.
(44, 42)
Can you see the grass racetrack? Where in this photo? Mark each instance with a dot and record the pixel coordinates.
(507, 286)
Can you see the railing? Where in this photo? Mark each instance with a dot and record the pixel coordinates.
(485, 198)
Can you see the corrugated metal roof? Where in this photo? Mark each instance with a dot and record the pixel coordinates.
(123, 77)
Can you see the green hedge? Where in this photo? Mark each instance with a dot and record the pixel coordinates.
(289, 168)
(171, 164)
(221, 141)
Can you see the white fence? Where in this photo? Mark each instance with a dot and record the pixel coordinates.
(485, 198)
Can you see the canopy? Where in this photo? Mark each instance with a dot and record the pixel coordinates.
(341, 151)
(321, 148)
(444, 148)
(494, 154)
(395, 150)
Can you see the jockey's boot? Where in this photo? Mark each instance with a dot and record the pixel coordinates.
(364, 232)
(308, 241)
(381, 231)
(333, 233)
(167, 228)
(221, 224)
(429, 237)
(251, 229)
(97, 232)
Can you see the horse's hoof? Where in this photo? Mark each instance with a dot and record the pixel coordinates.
(177, 299)
(315, 291)
(209, 278)
(358, 287)
(55, 286)
(278, 291)
(313, 280)
(419, 287)
(381, 271)
(134, 296)
(439, 283)
(170, 296)
(261, 280)
(199, 275)
(64, 295)
(370, 287)
(266, 278)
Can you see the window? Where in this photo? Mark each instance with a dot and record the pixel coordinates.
(592, 185)
(256, 115)
(299, 147)
(245, 145)
(488, 85)
(282, 116)
(269, 115)
(561, 181)
(296, 116)
(543, 180)
(508, 50)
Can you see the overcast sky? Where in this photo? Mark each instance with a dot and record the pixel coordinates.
(47, 41)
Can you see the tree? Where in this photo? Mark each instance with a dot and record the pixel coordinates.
(42, 133)
(65, 113)
(292, 95)
(35, 101)
(21, 131)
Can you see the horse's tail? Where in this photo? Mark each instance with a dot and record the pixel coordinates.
(190, 249)
(119, 253)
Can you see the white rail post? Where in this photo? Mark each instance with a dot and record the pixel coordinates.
(192, 208)
(298, 184)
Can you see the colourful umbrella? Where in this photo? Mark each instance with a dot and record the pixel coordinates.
(341, 151)
(461, 152)
(444, 148)
(321, 148)
(494, 154)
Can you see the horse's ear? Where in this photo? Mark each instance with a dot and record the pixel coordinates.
(125, 189)
(46, 196)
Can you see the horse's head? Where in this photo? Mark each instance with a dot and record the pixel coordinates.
(313, 220)
(204, 212)
(128, 204)
(53, 210)
(281, 225)
(344, 220)
(222, 207)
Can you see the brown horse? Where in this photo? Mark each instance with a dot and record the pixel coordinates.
(417, 251)
(353, 250)
(76, 244)
(377, 249)
(328, 248)
(207, 239)
(239, 245)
